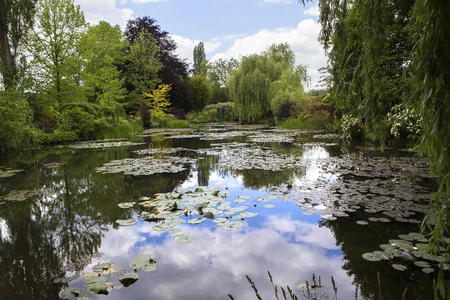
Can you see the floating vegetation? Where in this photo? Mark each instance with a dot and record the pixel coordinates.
(19, 196)
(103, 145)
(69, 293)
(128, 278)
(152, 151)
(399, 267)
(327, 136)
(104, 274)
(8, 172)
(362, 223)
(53, 165)
(127, 222)
(146, 165)
(269, 206)
(126, 204)
(143, 262)
(224, 135)
(256, 157)
(278, 137)
(183, 239)
(164, 131)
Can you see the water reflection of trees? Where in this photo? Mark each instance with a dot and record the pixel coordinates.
(354, 240)
(65, 223)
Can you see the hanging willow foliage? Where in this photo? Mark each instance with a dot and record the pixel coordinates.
(386, 52)
(432, 77)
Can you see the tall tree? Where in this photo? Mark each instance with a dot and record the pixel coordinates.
(143, 67)
(199, 59)
(59, 26)
(219, 73)
(102, 48)
(174, 70)
(16, 19)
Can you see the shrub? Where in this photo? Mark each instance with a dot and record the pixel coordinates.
(175, 123)
(80, 121)
(57, 137)
(293, 124)
(224, 110)
(351, 127)
(405, 121)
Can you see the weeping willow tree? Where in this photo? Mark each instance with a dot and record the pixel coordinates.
(386, 52)
(250, 87)
(263, 82)
(432, 78)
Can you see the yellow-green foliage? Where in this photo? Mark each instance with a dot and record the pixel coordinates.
(158, 102)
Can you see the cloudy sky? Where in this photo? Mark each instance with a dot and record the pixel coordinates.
(229, 28)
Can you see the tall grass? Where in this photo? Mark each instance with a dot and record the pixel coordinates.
(125, 128)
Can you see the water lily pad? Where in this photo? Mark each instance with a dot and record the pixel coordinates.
(428, 270)
(406, 237)
(69, 293)
(103, 266)
(371, 257)
(6, 172)
(399, 267)
(183, 239)
(269, 206)
(143, 262)
(99, 286)
(128, 278)
(174, 230)
(84, 298)
(362, 222)
(232, 225)
(163, 226)
(196, 221)
(127, 222)
(248, 214)
(126, 204)
(422, 264)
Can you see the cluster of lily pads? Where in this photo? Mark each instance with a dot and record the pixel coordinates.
(388, 193)
(146, 165)
(192, 206)
(256, 157)
(412, 248)
(8, 172)
(273, 137)
(18, 196)
(103, 145)
(104, 276)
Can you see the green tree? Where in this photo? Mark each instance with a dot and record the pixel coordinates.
(59, 26)
(200, 92)
(102, 48)
(15, 121)
(143, 67)
(263, 82)
(199, 59)
(219, 73)
(16, 20)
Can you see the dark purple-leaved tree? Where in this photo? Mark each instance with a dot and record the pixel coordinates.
(174, 69)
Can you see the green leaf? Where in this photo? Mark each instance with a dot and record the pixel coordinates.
(69, 293)
(127, 222)
(128, 278)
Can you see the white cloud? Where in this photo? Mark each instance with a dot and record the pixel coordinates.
(312, 11)
(217, 261)
(302, 39)
(185, 47)
(105, 10)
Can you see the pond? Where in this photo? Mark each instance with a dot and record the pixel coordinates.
(188, 214)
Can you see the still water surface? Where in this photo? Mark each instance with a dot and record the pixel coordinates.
(72, 220)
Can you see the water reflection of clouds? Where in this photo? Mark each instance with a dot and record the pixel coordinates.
(217, 261)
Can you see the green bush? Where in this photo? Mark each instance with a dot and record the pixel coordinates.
(315, 121)
(351, 127)
(15, 121)
(204, 116)
(293, 124)
(171, 122)
(124, 128)
(57, 137)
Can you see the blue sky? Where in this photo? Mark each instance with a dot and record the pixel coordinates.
(229, 28)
